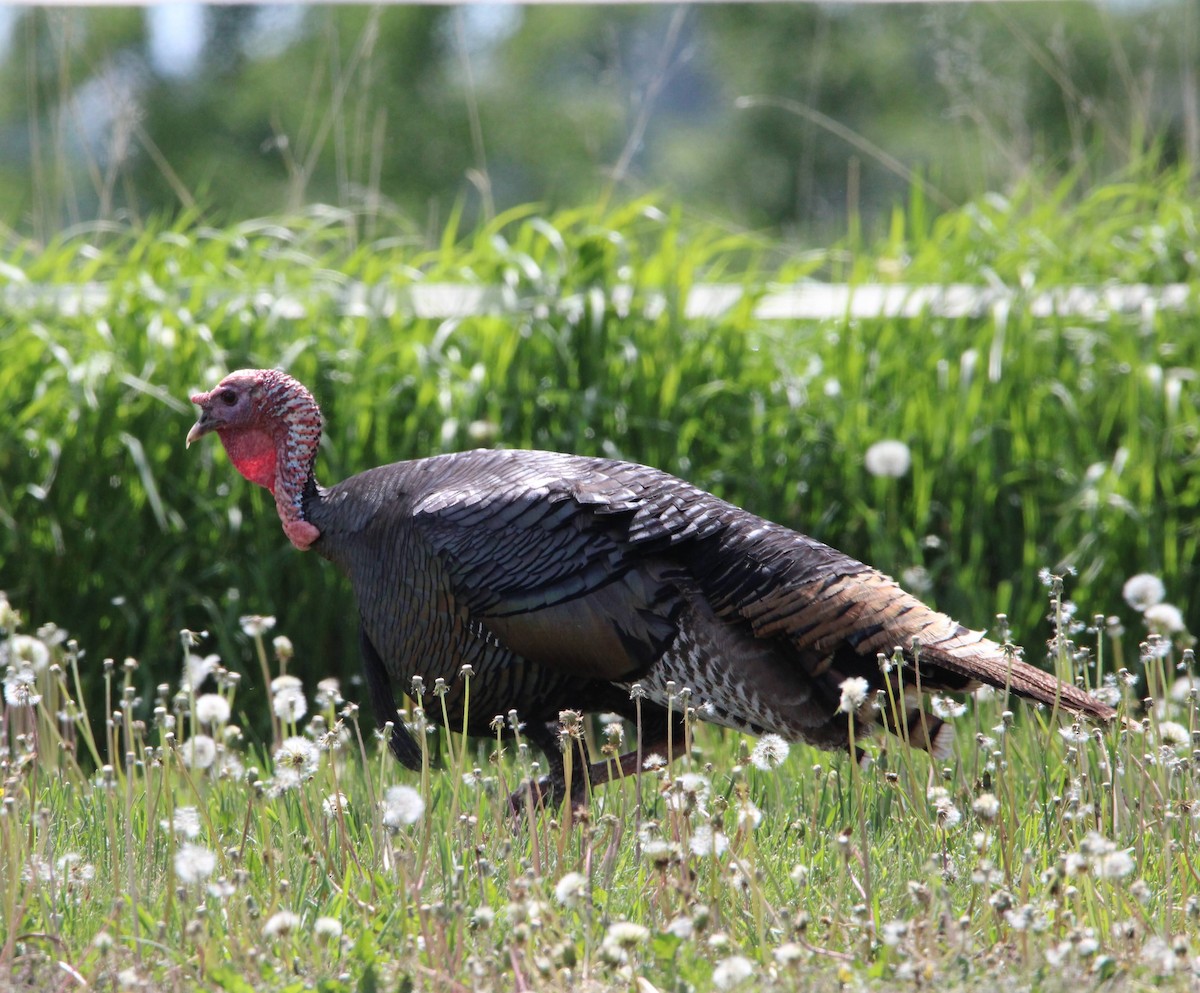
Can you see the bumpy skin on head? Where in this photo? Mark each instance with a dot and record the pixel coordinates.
(270, 426)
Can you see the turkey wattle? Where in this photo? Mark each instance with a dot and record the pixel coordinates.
(563, 580)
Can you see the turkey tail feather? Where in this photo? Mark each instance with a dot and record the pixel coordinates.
(989, 663)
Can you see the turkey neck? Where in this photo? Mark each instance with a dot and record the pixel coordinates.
(297, 419)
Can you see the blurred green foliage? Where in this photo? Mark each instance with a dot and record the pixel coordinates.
(1037, 441)
(801, 118)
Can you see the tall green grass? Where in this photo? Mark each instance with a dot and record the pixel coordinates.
(1037, 441)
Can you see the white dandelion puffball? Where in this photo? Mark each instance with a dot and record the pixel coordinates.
(185, 822)
(625, 934)
(333, 805)
(854, 694)
(402, 805)
(732, 972)
(194, 863)
(256, 625)
(285, 682)
(986, 806)
(770, 752)
(24, 648)
(888, 459)
(1114, 865)
(327, 929)
(283, 922)
(212, 708)
(571, 889)
(1143, 590)
(1164, 618)
(198, 752)
(290, 705)
(705, 841)
(329, 693)
(20, 688)
(1172, 734)
(196, 669)
(297, 755)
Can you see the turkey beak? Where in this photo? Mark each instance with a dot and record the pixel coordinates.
(204, 424)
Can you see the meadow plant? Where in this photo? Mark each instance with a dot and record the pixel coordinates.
(173, 852)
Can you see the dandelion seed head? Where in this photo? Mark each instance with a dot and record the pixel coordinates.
(789, 953)
(329, 694)
(888, 459)
(281, 923)
(1075, 863)
(25, 650)
(194, 863)
(706, 840)
(185, 822)
(212, 709)
(74, 871)
(945, 812)
(1143, 590)
(681, 927)
(256, 625)
(732, 972)
(1172, 734)
(297, 755)
(196, 669)
(198, 752)
(916, 580)
(327, 929)
(770, 752)
(289, 705)
(947, 709)
(228, 766)
(286, 682)
(571, 889)
(948, 816)
(689, 792)
(20, 687)
(402, 805)
(659, 851)
(854, 694)
(893, 932)
(986, 806)
(1164, 619)
(334, 804)
(1114, 865)
(748, 814)
(625, 934)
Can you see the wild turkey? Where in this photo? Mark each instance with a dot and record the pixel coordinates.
(563, 580)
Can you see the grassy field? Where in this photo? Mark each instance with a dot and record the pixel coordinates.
(151, 844)
(1040, 855)
(1037, 440)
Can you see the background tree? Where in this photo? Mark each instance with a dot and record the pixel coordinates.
(415, 109)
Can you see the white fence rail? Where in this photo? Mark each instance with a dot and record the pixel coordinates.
(805, 301)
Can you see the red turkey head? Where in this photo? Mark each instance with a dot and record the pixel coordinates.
(232, 409)
(270, 426)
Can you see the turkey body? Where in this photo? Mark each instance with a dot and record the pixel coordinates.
(563, 580)
(574, 583)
